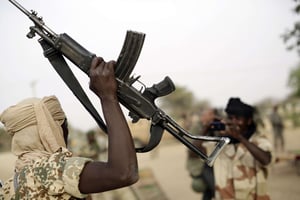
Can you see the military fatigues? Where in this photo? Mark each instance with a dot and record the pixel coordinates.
(278, 127)
(55, 177)
(238, 175)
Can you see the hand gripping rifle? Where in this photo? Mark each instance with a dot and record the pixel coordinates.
(140, 103)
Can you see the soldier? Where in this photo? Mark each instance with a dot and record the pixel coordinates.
(278, 129)
(202, 175)
(91, 149)
(45, 168)
(241, 169)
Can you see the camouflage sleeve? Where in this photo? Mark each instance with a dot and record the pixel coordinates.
(1, 193)
(71, 175)
(267, 146)
(264, 144)
(7, 190)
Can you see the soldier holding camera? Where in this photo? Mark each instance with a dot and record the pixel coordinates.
(241, 169)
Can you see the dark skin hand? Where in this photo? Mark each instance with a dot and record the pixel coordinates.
(237, 126)
(121, 168)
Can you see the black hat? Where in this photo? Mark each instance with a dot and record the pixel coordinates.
(236, 107)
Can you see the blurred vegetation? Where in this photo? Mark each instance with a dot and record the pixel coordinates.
(294, 81)
(292, 39)
(182, 102)
(292, 36)
(291, 110)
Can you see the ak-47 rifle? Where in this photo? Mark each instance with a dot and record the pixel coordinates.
(140, 103)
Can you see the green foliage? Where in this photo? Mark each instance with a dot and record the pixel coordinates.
(177, 102)
(291, 111)
(294, 118)
(294, 81)
(181, 102)
(292, 37)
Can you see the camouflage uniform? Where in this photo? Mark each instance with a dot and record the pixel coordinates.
(54, 177)
(238, 175)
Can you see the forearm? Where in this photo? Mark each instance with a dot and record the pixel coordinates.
(264, 157)
(121, 168)
(121, 151)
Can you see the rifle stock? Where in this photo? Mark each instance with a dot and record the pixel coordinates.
(141, 104)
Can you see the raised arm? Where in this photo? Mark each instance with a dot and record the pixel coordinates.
(121, 168)
(264, 157)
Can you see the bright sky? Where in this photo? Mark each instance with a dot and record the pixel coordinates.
(216, 48)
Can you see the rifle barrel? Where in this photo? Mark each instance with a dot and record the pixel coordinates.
(38, 21)
(26, 12)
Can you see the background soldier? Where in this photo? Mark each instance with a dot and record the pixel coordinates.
(278, 128)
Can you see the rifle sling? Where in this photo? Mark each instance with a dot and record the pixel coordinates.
(61, 67)
(155, 137)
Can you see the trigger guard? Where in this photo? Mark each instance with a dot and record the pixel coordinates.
(155, 137)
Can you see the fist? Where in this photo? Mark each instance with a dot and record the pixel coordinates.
(102, 78)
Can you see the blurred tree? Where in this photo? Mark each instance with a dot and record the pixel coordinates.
(293, 36)
(181, 102)
(292, 40)
(265, 105)
(294, 81)
(294, 114)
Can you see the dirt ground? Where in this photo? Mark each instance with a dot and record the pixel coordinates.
(167, 164)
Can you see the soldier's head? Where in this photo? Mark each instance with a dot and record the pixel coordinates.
(36, 125)
(91, 137)
(241, 114)
(275, 108)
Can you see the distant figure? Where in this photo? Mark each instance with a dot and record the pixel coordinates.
(186, 121)
(278, 128)
(202, 175)
(91, 149)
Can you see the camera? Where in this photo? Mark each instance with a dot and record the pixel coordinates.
(217, 125)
